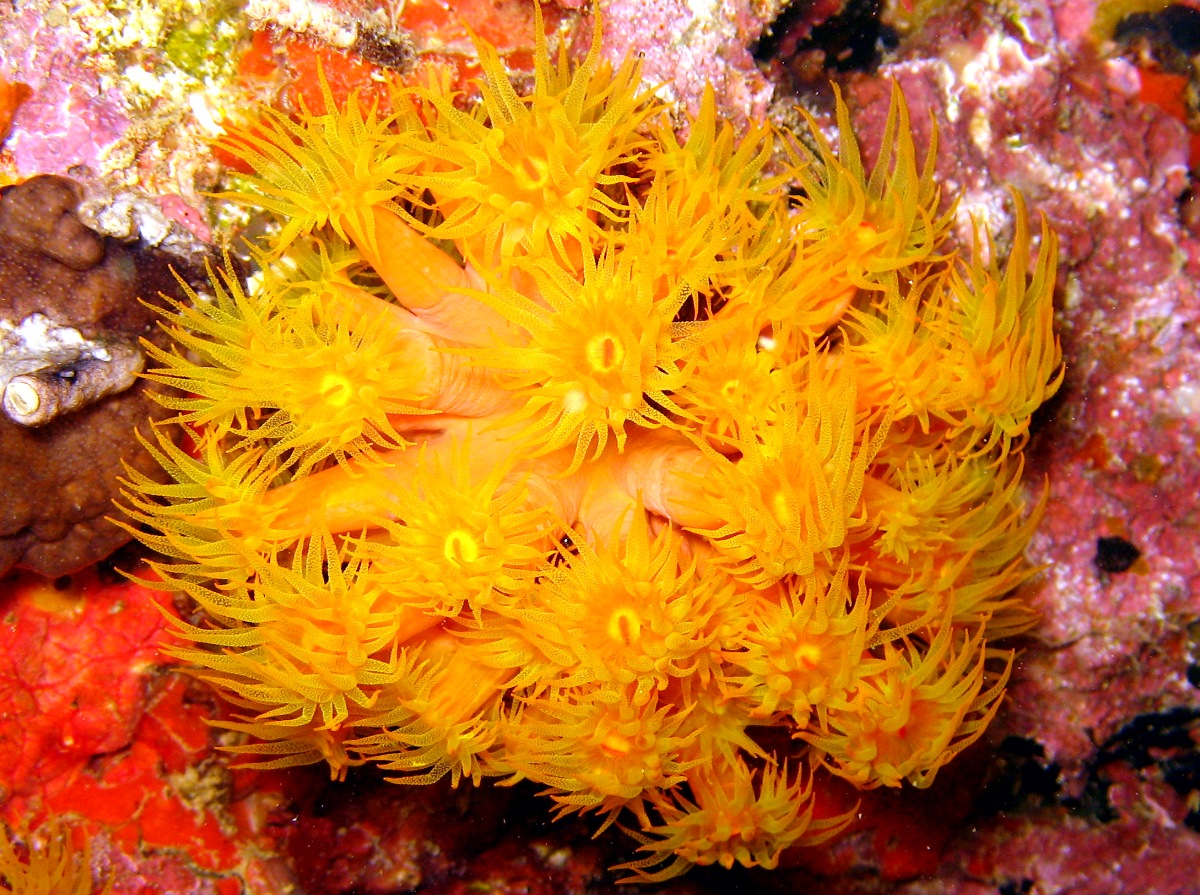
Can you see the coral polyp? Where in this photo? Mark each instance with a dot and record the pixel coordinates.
(52, 863)
(549, 446)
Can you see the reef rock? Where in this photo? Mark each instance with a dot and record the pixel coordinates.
(71, 313)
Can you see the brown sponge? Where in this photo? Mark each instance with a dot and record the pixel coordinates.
(70, 318)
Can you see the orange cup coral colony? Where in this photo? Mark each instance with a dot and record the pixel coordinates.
(551, 446)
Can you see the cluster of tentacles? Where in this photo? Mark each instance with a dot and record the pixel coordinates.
(550, 446)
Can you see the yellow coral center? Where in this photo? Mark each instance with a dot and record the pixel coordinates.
(781, 509)
(605, 353)
(337, 205)
(460, 548)
(808, 656)
(866, 235)
(532, 173)
(625, 626)
(616, 745)
(336, 389)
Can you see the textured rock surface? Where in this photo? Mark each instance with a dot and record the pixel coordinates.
(57, 480)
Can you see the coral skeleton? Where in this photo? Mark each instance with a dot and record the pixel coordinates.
(674, 475)
(47, 370)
